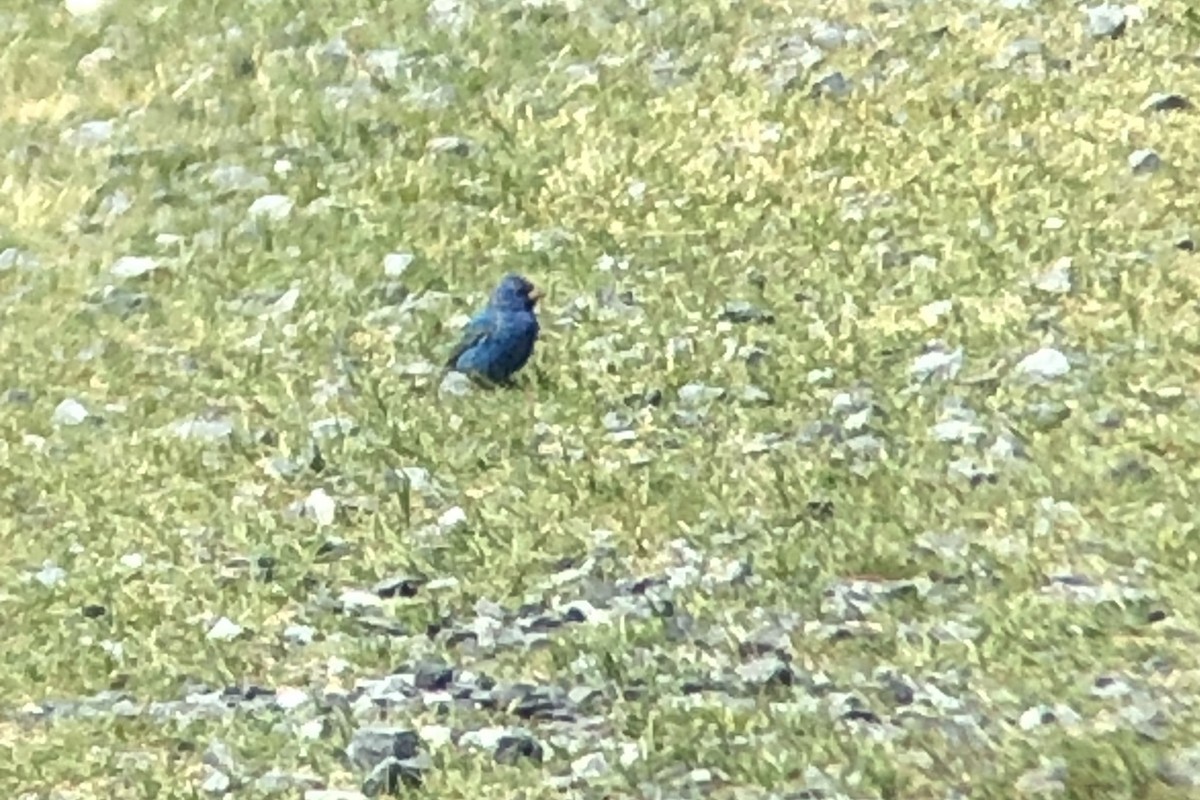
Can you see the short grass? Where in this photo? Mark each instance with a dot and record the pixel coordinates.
(609, 145)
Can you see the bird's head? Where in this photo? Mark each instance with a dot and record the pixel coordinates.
(515, 293)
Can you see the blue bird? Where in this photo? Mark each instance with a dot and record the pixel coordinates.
(498, 340)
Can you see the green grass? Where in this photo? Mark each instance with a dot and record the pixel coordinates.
(832, 214)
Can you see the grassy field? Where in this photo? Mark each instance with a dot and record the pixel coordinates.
(797, 257)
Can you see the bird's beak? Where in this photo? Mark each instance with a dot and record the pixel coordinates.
(536, 294)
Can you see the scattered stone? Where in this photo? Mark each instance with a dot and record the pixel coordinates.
(1144, 161)
(1181, 768)
(393, 776)
(589, 766)
(835, 85)
(1018, 50)
(209, 429)
(276, 781)
(932, 313)
(399, 586)
(271, 207)
(976, 474)
(1044, 365)
(216, 783)
(742, 311)
(1050, 778)
(90, 134)
(219, 756)
(1166, 101)
(372, 745)
(1105, 21)
(396, 264)
(937, 363)
(224, 630)
(455, 383)
(70, 412)
(91, 63)
(766, 671)
(1057, 278)
(320, 507)
(695, 395)
(16, 258)
(299, 634)
(959, 428)
(236, 178)
(357, 601)
(453, 145)
(384, 63)
(515, 747)
(50, 574)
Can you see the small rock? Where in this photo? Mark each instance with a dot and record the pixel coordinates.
(436, 737)
(751, 395)
(224, 630)
(769, 670)
(399, 586)
(85, 8)
(210, 430)
(1105, 22)
(1056, 279)
(371, 745)
(312, 730)
(90, 134)
(133, 266)
(455, 383)
(299, 634)
(1144, 161)
(958, 430)
(290, 698)
(694, 395)
(385, 63)
(835, 85)
(236, 178)
(516, 747)
(219, 756)
(272, 207)
(50, 575)
(15, 258)
(217, 783)
(827, 35)
(590, 765)
(396, 264)
(1044, 365)
(937, 363)
(1018, 50)
(1166, 101)
(357, 601)
(455, 145)
(1044, 780)
(91, 63)
(932, 313)
(393, 776)
(451, 518)
(70, 412)
(321, 507)
(276, 781)
(1181, 768)
(744, 312)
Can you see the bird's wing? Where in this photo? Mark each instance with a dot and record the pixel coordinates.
(481, 326)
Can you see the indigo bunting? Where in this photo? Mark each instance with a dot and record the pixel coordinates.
(499, 339)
